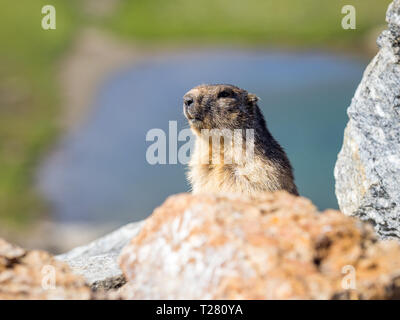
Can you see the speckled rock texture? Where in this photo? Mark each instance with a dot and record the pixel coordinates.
(29, 275)
(275, 246)
(97, 261)
(367, 171)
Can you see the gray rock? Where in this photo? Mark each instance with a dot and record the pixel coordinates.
(97, 261)
(367, 171)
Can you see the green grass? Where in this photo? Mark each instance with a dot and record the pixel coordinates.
(28, 98)
(287, 22)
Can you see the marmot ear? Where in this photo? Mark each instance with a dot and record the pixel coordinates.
(252, 98)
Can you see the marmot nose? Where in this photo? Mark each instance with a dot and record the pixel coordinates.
(188, 101)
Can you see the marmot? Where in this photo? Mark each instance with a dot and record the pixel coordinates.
(227, 107)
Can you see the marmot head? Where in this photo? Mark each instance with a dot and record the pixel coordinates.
(219, 106)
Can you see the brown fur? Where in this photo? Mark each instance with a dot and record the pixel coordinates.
(229, 107)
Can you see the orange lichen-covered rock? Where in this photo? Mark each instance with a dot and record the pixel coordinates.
(274, 246)
(37, 275)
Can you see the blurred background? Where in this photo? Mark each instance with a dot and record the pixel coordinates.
(76, 102)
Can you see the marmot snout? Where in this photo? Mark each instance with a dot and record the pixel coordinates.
(229, 107)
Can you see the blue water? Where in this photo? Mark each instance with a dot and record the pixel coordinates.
(99, 173)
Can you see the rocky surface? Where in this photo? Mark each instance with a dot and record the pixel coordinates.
(97, 261)
(367, 171)
(37, 275)
(276, 246)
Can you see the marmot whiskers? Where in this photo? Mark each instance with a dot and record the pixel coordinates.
(227, 107)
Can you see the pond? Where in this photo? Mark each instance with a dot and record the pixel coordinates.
(99, 173)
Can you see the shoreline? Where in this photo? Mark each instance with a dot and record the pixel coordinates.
(96, 54)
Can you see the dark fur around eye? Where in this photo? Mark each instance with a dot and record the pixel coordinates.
(225, 94)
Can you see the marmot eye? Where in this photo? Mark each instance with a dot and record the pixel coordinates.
(224, 94)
